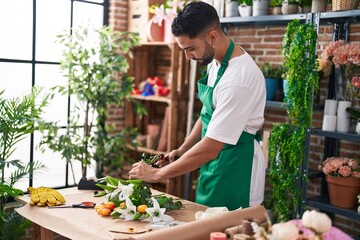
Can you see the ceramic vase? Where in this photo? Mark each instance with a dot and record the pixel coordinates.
(231, 9)
(260, 7)
(343, 191)
(289, 8)
(318, 6)
(245, 11)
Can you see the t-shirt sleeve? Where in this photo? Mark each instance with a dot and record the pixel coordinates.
(233, 109)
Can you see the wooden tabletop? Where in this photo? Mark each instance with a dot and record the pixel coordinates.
(78, 223)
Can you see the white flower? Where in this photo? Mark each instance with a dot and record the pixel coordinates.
(284, 231)
(319, 222)
(157, 214)
(126, 191)
(129, 212)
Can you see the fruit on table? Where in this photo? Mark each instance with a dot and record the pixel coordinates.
(43, 196)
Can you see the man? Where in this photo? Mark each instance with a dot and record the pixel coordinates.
(222, 142)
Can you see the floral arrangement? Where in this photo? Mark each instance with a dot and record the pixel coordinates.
(166, 11)
(313, 225)
(343, 54)
(132, 200)
(341, 167)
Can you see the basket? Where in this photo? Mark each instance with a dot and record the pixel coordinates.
(341, 5)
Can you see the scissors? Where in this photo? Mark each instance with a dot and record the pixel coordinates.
(79, 205)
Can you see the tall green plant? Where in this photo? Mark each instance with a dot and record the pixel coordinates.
(94, 60)
(287, 141)
(19, 117)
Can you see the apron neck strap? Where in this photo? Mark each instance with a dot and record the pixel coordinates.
(224, 63)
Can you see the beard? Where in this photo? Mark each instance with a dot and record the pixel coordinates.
(208, 55)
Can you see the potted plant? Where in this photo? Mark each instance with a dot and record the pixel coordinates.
(92, 66)
(305, 6)
(19, 118)
(276, 6)
(287, 140)
(343, 179)
(272, 76)
(290, 6)
(245, 7)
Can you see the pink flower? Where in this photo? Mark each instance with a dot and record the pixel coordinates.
(345, 171)
(167, 11)
(340, 166)
(355, 81)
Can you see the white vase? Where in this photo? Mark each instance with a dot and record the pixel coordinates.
(219, 7)
(245, 10)
(231, 9)
(357, 130)
(342, 124)
(341, 109)
(261, 7)
(329, 123)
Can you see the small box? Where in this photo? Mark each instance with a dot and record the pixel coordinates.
(139, 15)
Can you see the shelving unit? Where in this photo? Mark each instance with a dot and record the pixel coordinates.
(340, 20)
(168, 62)
(321, 201)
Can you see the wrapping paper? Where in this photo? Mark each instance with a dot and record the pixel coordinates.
(80, 223)
(201, 229)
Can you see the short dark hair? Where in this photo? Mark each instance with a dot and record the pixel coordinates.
(194, 19)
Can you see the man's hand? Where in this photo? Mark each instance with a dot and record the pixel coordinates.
(145, 172)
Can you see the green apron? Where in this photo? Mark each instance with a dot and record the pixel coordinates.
(225, 180)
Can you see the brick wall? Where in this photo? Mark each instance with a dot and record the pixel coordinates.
(263, 43)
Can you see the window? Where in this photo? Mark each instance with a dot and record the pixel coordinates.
(29, 55)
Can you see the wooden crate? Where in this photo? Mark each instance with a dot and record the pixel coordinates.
(139, 15)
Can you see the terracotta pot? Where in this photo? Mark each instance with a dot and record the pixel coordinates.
(343, 191)
(276, 11)
(168, 36)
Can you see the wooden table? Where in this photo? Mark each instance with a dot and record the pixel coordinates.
(78, 223)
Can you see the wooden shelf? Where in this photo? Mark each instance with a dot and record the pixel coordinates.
(152, 98)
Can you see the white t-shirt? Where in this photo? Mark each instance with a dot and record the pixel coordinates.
(239, 103)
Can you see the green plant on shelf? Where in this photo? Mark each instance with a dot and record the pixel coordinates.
(287, 141)
(271, 71)
(245, 2)
(275, 3)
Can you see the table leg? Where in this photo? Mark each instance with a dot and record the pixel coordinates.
(40, 233)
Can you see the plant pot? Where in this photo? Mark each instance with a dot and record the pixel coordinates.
(318, 6)
(245, 10)
(271, 88)
(168, 36)
(261, 7)
(343, 191)
(231, 9)
(305, 9)
(276, 10)
(289, 8)
(154, 32)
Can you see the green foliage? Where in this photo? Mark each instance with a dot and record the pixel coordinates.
(12, 226)
(245, 2)
(306, 3)
(287, 141)
(275, 3)
(93, 66)
(140, 196)
(270, 71)
(19, 117)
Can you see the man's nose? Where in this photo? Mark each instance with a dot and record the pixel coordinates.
(188, 55)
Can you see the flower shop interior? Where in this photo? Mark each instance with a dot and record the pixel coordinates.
(90, 87)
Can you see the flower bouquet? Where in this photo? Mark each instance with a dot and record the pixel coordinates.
(346, 56)
(132, 200)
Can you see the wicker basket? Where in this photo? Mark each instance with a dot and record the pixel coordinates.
(343, 5)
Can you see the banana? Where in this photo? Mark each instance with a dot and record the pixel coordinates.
(43, 196)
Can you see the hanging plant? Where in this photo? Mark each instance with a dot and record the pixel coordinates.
(287, 141)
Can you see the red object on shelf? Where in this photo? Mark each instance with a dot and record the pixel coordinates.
(154, 81)
(135, 91)
(163, 91)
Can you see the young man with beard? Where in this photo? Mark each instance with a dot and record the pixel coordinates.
(223, 142)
